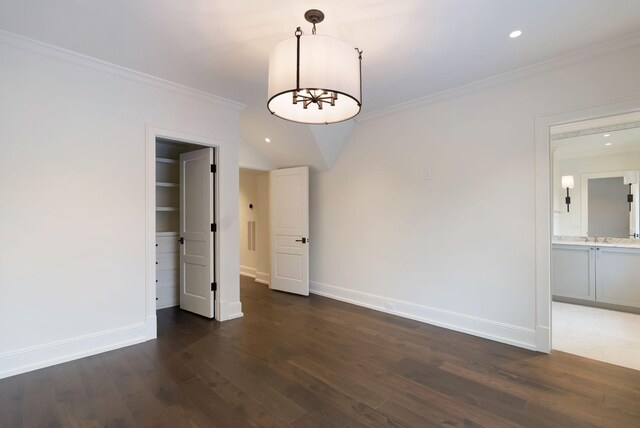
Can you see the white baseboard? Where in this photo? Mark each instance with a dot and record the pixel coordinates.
(151, 326)
(248, 271)
(36, 357)
(493, 330)
(543, 335)
(230, 310)
(263, 278)
(165, 305)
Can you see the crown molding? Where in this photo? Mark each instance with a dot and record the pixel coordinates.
(620, 44)
(22, 43)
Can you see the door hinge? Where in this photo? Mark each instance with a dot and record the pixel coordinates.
(214, 227)
(213, 169)
(214, 286)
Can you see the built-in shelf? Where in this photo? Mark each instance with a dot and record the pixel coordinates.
(166, 184)
(166, 160)
(167, 233)
(166, 208)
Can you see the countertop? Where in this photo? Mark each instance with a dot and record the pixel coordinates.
(611, 242)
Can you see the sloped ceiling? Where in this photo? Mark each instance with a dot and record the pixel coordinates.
(412, 48)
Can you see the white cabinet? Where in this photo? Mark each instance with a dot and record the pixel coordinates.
(609, 275)
(574, 271)
(618, 276)
(167, 259)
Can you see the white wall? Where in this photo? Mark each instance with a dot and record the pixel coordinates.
(72, 200)
(251, 159)
(457, 250)
(570, 223)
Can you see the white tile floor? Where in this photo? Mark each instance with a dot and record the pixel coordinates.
(600, 334)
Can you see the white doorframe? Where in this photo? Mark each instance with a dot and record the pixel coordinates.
(152, 133)
(544, 203)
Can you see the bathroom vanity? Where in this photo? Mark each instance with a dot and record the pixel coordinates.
(602, 274)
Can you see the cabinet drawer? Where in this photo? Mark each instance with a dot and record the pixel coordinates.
(166, 261)
(167, 244)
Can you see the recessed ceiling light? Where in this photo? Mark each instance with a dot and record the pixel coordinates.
(267, 140)
(607, 144)
(515, 34)
(607, 135)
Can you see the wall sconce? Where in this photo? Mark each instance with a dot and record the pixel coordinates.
(630, 177)
(568, 183)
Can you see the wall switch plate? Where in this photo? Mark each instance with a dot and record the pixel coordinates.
(427, 174)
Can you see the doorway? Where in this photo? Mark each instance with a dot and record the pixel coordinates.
(168, 220)
(274, 228)
(595, 252)
(255, 242)
(182, 251)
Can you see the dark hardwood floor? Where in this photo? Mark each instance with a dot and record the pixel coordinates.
(315, 362)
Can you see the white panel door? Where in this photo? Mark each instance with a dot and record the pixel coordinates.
(289, 190)
(196, 219)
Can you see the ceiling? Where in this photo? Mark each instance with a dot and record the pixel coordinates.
(622, 141)
(412, 48)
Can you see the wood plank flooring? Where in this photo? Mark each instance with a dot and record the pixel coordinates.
(314, 362)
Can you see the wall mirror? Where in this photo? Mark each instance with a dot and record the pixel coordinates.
(596, 178)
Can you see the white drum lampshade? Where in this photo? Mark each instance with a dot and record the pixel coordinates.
(567, 182)
(314, 79)
(631, 177)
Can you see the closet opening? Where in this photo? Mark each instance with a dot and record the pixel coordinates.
(185, 227)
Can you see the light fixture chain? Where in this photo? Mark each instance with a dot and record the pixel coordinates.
(313, 30)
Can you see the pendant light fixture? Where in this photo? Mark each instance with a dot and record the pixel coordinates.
(314, 79)
(567, 183)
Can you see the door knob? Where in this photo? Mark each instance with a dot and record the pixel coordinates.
(303, 240)
(181, 240)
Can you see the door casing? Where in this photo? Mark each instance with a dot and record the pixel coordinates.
(152, 133)
(544, 202)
